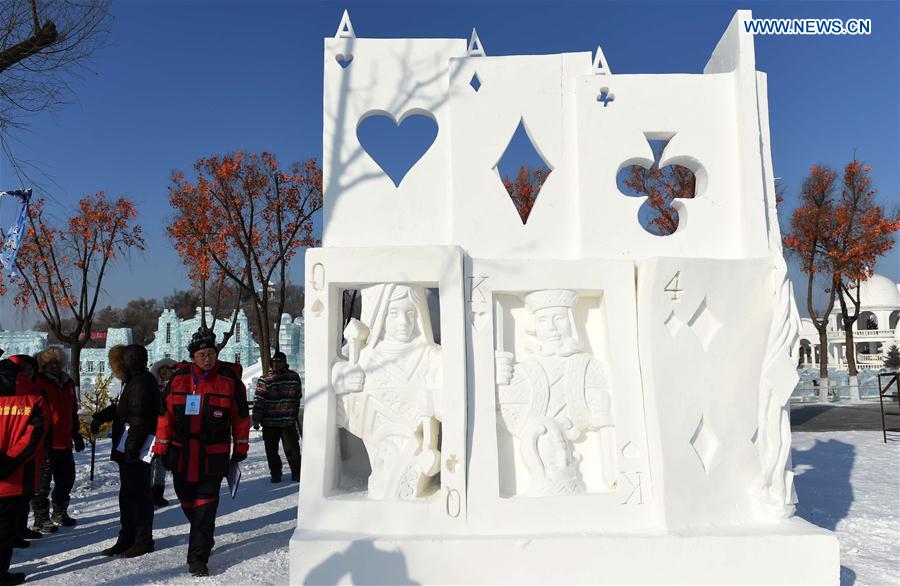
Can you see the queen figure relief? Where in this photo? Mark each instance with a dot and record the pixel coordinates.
(389, 390)
(552, 399)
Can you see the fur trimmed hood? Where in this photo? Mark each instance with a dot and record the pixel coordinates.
(51, 354)
(127, 361)
(116, 363)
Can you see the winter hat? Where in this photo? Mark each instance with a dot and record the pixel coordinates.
(279, 356)
(51, 354)
(200, 340)
(160, 364)
(24, 359)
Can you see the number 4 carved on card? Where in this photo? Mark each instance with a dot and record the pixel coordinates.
(674, 286)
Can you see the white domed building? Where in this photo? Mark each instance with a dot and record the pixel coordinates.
(873, 333)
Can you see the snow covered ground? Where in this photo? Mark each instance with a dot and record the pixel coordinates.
(847, 481)
(252, 532)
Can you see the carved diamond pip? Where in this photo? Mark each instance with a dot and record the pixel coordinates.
(705, 444)
(755, 440)
(704, 324)
(672, 323)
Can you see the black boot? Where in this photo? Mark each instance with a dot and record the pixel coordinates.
(31, 534)
(158, 499)
(276, 478)
(15, 579)
(198, 569)
(116, 549)
(138, 550)
(43, 524)
(61, 516)
(21, 543)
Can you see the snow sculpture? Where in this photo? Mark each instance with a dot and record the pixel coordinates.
(574, 399)
(555, 396)
(389, 388)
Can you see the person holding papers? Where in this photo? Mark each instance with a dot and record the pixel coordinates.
(134, 419)
(203, 432)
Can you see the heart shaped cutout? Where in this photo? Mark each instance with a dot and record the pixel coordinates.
(479, 318)
(397, 146)
(344, 60)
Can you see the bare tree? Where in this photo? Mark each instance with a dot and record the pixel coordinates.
(43, 45)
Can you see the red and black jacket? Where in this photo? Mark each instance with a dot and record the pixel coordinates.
(21, 434)
(199, 446)
(13, 376)
(63, 406)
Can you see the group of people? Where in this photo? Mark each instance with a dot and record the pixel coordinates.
(191, 419)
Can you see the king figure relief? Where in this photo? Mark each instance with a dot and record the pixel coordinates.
(553, 399)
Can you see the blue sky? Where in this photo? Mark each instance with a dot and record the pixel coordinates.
(181, 80)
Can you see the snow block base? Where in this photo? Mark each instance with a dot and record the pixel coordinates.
(793, 552)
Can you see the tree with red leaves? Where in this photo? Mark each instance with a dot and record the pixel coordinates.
(809, 241)
(524, 190)
(245, 219)
(862, 233)
(841, 240)
(60, 268)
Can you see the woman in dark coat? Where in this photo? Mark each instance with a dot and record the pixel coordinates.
(134, 416)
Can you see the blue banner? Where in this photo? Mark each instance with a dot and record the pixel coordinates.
(13, 238)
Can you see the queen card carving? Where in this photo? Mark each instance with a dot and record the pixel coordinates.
(389, 390)
(551, 400)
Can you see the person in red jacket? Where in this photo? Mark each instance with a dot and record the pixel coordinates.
(203, 430)
(58, 389)
(21, 433)
(28, 373)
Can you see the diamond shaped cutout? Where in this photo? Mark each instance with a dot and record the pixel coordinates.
(704, 324)
(672, 323)
(523, 169)
(705, 444)
(475, 82)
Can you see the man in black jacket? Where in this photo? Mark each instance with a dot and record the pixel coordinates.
(134, 417)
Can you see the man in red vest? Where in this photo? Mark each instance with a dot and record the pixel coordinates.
(21, 434)
(203, 430)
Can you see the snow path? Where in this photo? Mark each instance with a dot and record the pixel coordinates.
(252, 532)
(847, 481)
